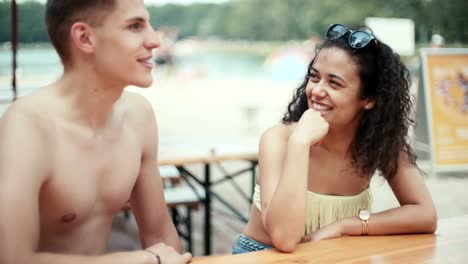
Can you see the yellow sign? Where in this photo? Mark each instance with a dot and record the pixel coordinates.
(446, 89)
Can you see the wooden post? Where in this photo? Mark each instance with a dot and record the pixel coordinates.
(14, 40)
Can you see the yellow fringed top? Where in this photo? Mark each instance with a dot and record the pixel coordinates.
(326, 209)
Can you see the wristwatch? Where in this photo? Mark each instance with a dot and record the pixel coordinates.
(364, 215)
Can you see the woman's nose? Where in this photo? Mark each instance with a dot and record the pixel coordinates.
(319, 90)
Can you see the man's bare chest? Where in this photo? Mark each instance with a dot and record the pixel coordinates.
(89, 177)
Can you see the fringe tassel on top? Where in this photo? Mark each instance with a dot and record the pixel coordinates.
(323, 209)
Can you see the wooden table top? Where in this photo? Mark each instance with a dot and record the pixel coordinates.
(448, 245)
(179, 155)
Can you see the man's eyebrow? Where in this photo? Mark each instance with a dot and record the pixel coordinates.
(136, 19)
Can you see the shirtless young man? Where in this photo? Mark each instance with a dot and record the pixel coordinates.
(74, 152)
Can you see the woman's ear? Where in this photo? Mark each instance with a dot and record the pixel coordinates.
(369, 104)
(81, 37)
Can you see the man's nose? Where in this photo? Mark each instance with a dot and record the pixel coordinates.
(153, 40)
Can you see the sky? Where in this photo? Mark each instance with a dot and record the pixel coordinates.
(162, 2)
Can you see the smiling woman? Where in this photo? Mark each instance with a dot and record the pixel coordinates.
(347, 121)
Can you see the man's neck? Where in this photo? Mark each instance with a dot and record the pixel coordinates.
(92, 99)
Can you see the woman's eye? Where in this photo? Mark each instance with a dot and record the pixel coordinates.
(335, 84)
(313, 77)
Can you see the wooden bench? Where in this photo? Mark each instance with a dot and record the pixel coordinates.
(178, 195)
(169, 174)
(181, 196)
(184, 195)
(189, 198)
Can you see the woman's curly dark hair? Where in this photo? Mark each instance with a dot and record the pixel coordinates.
(382, 131)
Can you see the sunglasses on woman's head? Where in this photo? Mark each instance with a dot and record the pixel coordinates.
(357, 39)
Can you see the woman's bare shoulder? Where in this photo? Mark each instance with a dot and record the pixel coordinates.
(280, 132)
(276, 137)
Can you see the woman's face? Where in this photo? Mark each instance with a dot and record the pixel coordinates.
(334, 88)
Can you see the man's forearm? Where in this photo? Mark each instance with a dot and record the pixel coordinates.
(168, 235)
(170, 239)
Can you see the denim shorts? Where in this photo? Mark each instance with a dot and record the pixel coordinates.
(244, 244)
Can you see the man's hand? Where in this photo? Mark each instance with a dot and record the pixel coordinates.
(168, 254)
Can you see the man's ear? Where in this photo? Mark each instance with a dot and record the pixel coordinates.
(81, 37)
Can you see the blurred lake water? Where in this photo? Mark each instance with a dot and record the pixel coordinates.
(216, 91)
(39, 65)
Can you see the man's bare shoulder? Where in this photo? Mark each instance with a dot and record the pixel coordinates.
(30, 115)
(23, 140)
(23, 111)
(33, 105)
(140, 117)
(137, 107)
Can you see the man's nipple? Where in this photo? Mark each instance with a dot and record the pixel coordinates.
(68, 218)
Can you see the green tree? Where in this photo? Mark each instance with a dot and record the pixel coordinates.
(5, 21)
(272, 19)
(31, 26)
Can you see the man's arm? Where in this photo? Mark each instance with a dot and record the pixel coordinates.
(147, 200)
(22, 171)
(24, 167)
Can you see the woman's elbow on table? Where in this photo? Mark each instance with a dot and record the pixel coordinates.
(431, 221)
(284, 242)
(427, 220)
(285, 246)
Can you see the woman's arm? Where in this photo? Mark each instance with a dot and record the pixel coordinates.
(283, 176)
(416, 213)
(283, 169)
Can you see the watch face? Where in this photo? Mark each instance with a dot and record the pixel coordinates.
(364, 214)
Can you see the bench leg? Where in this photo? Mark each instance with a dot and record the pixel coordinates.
(189, 229)
(127, 215)
(175, 216)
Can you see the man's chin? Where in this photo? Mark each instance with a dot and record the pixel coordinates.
(143, 84)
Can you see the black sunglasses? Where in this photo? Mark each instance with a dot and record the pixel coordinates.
(357, 39)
